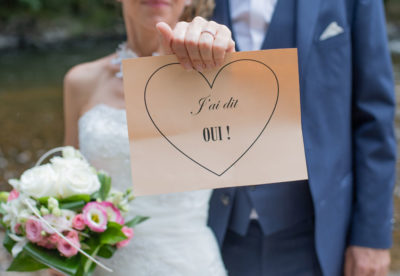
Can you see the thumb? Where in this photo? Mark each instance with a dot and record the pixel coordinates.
(166, 35)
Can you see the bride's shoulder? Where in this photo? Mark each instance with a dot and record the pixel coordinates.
(85, 76)
(81, 83)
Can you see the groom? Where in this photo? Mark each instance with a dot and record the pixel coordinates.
(340, 219)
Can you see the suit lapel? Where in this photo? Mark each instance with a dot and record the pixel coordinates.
(307, 15)
(222, 15)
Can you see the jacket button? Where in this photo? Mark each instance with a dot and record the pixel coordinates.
(225, 199)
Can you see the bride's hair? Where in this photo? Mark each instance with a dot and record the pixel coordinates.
(203, 8)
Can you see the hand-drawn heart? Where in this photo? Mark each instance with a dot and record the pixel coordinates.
(217, 126)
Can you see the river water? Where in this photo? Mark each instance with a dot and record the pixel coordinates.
(31, 101)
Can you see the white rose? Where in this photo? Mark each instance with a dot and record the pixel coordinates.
(39, 181)
(70, 152)
(76, 176)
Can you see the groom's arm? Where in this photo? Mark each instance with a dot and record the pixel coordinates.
(374, 142)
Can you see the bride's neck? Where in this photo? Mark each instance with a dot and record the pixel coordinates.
(143, 41)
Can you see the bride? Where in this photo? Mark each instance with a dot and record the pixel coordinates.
(176, 239)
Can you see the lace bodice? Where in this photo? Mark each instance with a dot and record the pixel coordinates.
(176, 239)
(103, 140)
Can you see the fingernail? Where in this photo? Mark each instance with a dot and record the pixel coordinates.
(199, 67)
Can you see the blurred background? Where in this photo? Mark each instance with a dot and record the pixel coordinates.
(41, 39)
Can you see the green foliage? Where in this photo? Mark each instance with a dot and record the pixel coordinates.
(24, 263)
(34, 257)
(43, 200)
(94, 249)
(52, 258)
(105, 182)
(33, 5)
(75, 202)
(106, 251)
(88, 266)
(8, 243)
(27, 13)
(74, 206)
(113, 234)
(75, 198)
(4, 197)
(135, 221)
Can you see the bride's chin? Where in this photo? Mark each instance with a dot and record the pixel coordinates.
(152, 22)
(155, 17)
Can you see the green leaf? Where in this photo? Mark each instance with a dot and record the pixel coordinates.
(76, 205)
(43, 200)
(136, 220)
(112, 224)
(113, 234)
(106, 251)
(105, 181)
(75, 198)
(4, 196)
(81, 270)
(87, 266)
(25, 262)
(52, 258)
(8, 243)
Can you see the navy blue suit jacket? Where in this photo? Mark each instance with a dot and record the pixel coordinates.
(347, 104)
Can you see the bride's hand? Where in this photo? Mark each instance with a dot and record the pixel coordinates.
(200, 44)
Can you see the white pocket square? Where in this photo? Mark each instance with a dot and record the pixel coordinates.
(332, 30)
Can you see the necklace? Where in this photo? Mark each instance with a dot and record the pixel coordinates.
(123, 52)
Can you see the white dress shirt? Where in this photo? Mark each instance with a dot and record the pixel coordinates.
(250, 20)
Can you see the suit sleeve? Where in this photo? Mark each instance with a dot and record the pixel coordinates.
(374, 143)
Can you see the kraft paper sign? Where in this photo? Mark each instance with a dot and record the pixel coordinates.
(233, 126)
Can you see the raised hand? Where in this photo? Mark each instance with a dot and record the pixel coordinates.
(200, 44)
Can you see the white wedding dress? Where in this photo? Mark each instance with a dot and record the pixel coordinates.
(175, 241)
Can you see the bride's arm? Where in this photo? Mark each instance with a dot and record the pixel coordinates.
(75, 95)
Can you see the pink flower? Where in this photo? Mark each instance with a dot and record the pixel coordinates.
(129, 234)
(13, 195)
(33, 230)
(73, 235)
(95, 216)
(46, 243)
(49, 241)
(78, 222)
(54, 238)
(65, 248)
(113, 212)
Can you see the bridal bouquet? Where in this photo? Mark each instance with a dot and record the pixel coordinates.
(64, 214)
